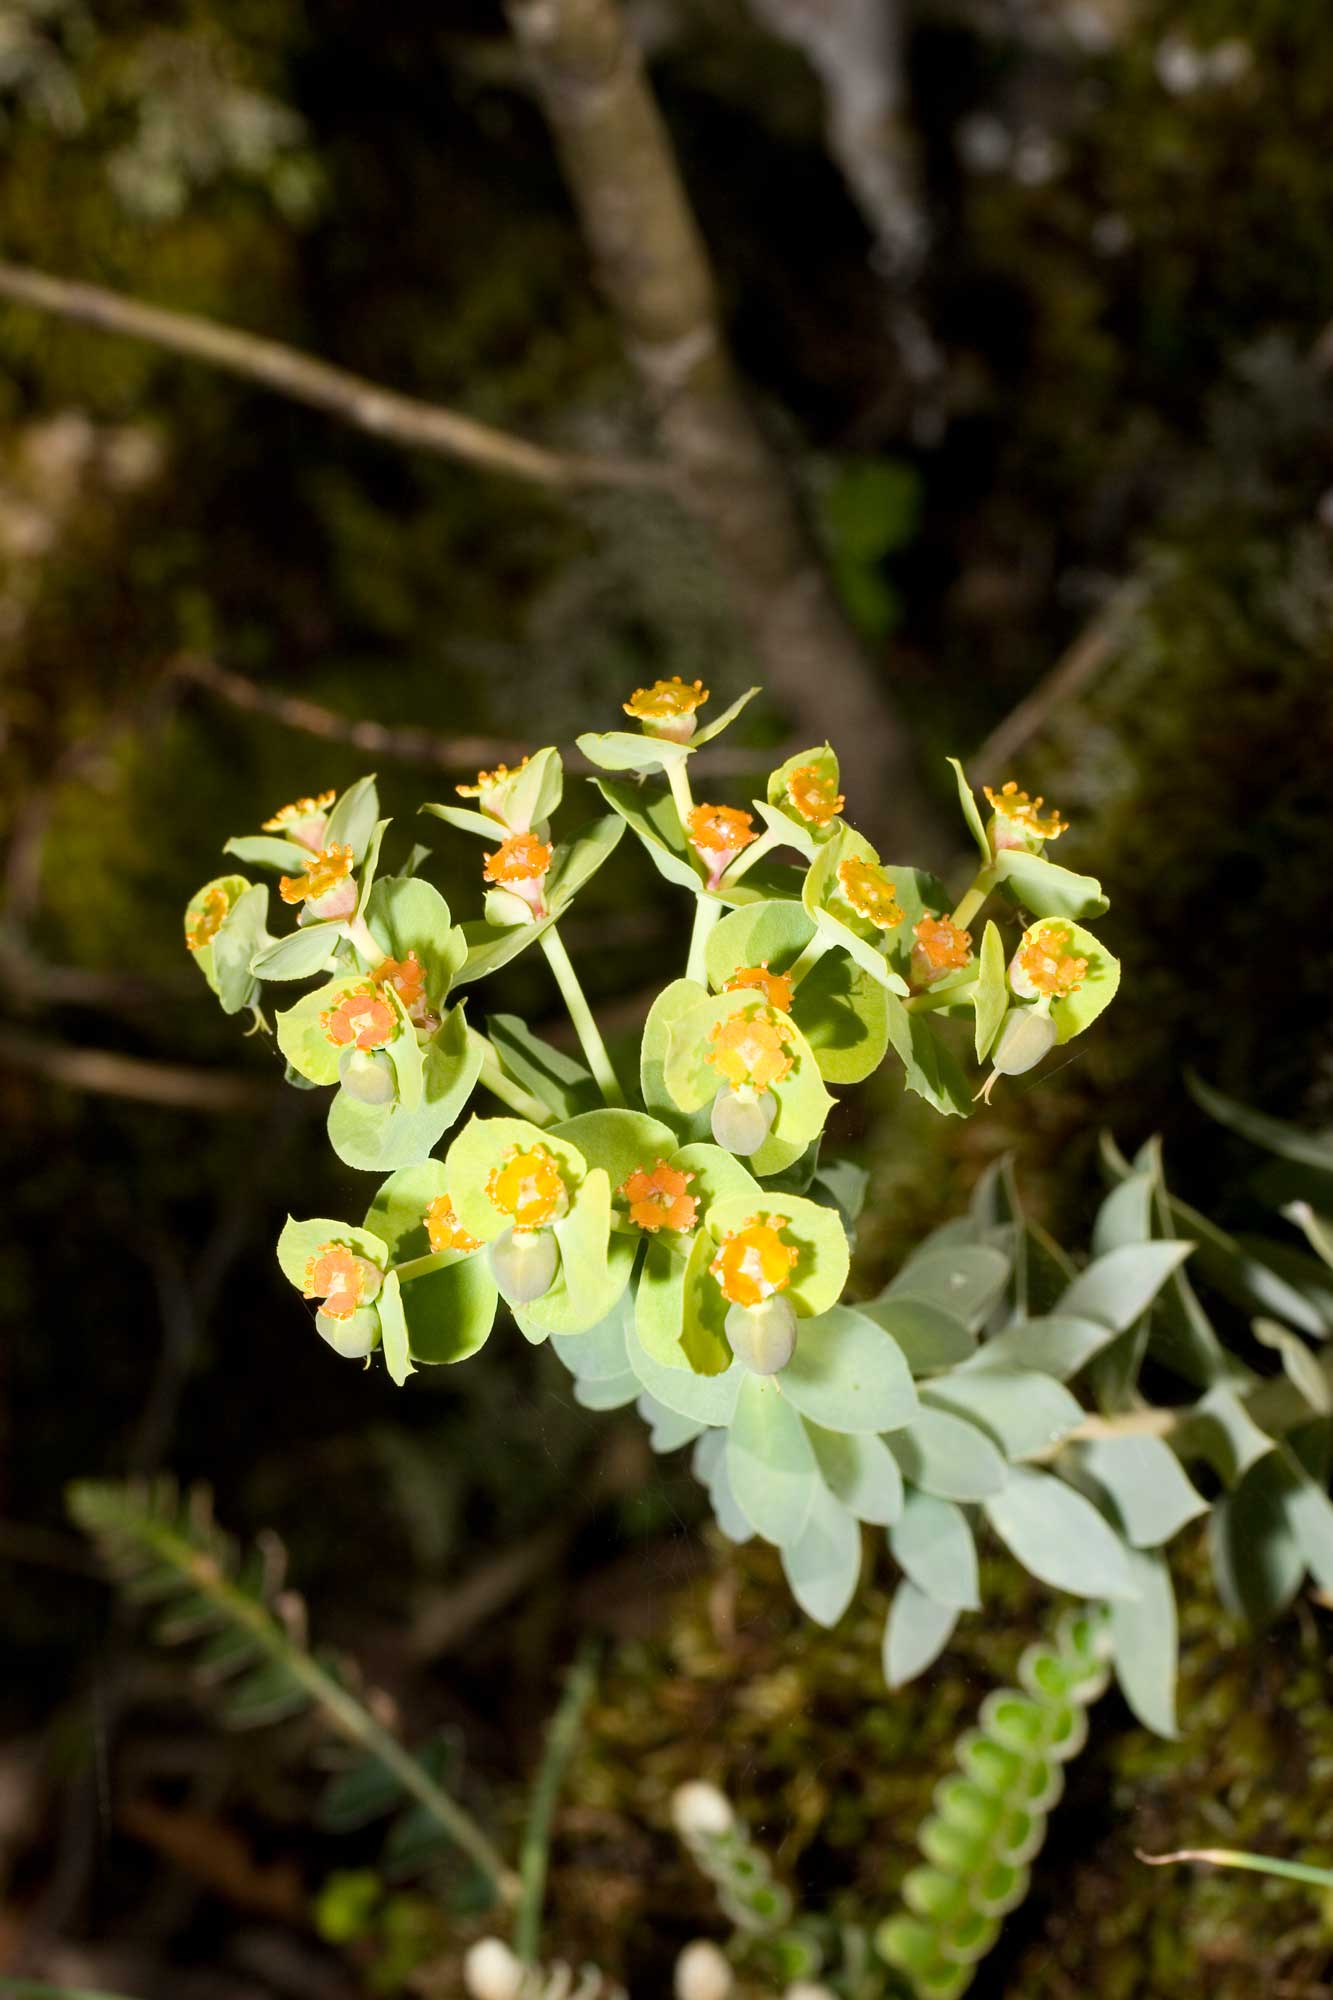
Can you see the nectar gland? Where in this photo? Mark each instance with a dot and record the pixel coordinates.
(658, 1199)
(203, 924)
(528, 1188)
(813, 795)
(519, 864)
(488, 788)
(748, 1052)
(754, 1262)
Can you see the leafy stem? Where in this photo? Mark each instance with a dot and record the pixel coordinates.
(810, 957)
(580, 1013)
(707, 911)
(982, 883)
(536, 1845)
(678, 777)
(504, 1087)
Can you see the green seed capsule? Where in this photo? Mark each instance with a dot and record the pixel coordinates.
(1027, 1035)
(524, 1262)
(367, 1075)
(742, 1119)
(763, 1338)
(354, 1337)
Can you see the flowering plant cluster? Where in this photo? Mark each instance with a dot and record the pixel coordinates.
(684, 1239)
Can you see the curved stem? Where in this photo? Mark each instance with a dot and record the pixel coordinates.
(535, 1850)
(982, 884)
(707, 911)
(810, 957)
(678, 777)
(580, 1013)
(770, 838)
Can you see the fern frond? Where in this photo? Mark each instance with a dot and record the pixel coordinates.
(165, 1550)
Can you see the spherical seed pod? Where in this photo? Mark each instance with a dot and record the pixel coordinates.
(355, 1336)
(491, 1971)
(702, 1972)
(524, 1263)
(1027, 1035)
(743, 1119)
(367, 1075)
(699, 1811)
(763, 1337)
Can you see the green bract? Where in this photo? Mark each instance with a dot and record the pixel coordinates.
(825, 902)
(837, 1006)
(692, 1078)
(801, 830)
(635, 750)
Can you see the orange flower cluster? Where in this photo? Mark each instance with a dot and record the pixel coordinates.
(754, 1262)
(443, 1229)
(813, 795)
(870, 893)
(776, 987)
(748, 1051)
(660, 1199)
(528, 1188)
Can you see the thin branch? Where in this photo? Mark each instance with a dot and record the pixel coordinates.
(534, 1853)
(1072, 676)
(174, 1086)
(384, 413)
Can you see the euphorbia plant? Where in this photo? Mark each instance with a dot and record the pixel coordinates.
(682, 1235)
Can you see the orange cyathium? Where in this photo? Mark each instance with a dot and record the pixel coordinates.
(1045, 958)
(203, 924)
(666, 701)
(814, 795)
(941, 946)
(870, 893)
(748, 1051)
(658, 1198)
(521, 858)
(341, 1279)
(320, 875)
(444, 1230)
(528, 1188)
(1021, 811)
(363, 1020)
(754, 1262)
(776, 987)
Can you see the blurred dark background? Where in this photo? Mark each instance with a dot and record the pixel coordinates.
(1083, 421)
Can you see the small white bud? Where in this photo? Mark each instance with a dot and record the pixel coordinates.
(524, 1263)
(701, 1811)
(702, 1973)
(367, 1075)
(763, 1337)
(1028, 1034)
(742, 1120)
(491, 1971)
(808, 1989)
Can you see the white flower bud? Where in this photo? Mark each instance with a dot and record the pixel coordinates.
(524, 1263)
(367, 1075)
(702, 1973)
(491, 1971)
(1028, 1034)
(742, 1120)
(700, 1811)
(763, 1337)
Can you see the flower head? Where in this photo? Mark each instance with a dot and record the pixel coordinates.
(870, 893)
(361, 1020)
(813, 795)
(776, 987)
(717, 834)
(748, 1051)
(941, 946)
(754, 1262)
(203, 924)
(658, 1199)
(489, 785)
(520, 864)
(1045, 963)
(341, 1279)
(325, 884)
(667, 708)
(303, 821)
(407, 976)
(1019, 821)
(444, 1229)
(528, 1188)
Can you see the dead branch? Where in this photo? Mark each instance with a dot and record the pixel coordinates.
(654, 270)
(175, 1086)
(384, 413)
(1072, 675)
